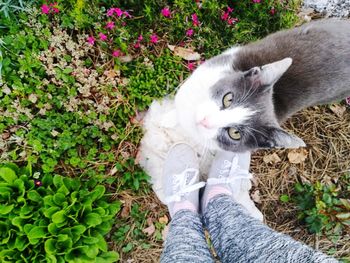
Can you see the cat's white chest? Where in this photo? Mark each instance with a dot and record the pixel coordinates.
(162, 130)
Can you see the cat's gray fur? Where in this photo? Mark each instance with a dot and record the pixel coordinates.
(319, 74)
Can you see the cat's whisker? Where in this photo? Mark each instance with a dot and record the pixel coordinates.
(261, 132)
(253, 136)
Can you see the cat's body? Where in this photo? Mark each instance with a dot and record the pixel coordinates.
(236, 101)
(320, 72)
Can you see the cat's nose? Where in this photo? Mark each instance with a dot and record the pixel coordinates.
(205, 123)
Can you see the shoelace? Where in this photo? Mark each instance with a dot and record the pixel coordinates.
(234, 173)
(180, 183)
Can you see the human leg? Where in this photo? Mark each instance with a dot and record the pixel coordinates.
(185, 241)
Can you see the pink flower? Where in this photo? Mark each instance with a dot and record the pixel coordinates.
(154, 38)
(166, 12)
(54, 7)
(256, 1)
(110, 25)
(140, 38)
(189, 32)
(102, 36)
(225, 16)
(118, 11)
(116, 53)
(45, 9)
(195, 20)
(137, 45)
(191, 66)
(126, 14)
(272, 11)
(91, 40)
(232, 21)
(229, 9)
(110, 12)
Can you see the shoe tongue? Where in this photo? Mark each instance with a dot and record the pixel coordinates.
(189, 176)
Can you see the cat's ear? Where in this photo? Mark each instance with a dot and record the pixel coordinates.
(268, 74)
(278, 138)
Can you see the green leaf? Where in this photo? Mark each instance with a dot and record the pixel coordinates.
(91, 251)
(63, 189)
(67, 70)
(21, 243)
(50, 211)
(8, 175)
(90, 240)
(102, 244)
(59, 217)
(18, 222)
(5, 209)
(36, 233)
(284, 198)
(57, 181)
(33, 195)
(50, 246)
(127, 248)
(59, 198)
(52, 228)
(98, 192)
(93, 219)
(108, 257)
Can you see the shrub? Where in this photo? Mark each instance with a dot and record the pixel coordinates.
(324, 208)
(57, 219)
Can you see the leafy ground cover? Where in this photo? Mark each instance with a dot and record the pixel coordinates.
(74, 79)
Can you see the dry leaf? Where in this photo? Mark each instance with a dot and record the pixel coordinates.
(126, 208)
(339, 110)
(110, 74)
(165, 232)
(113, 171)
(163, 220)
(149, 230)
(272, 158)
(126, 58)
(6, 135)
(256, 196)
(185, 53)
(297, 155)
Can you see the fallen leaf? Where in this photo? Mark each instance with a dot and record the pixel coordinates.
(149, 230)
(110, 74)
(6, 135)
(185, 53)
(163, 220)
(113, 171)
(256, 196)
(297, 156)
(271, 158)
(126, 208)
(165, 232)
(126, 58)
(339, 110)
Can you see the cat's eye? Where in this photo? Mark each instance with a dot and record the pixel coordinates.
(234, 134)
(227, 100)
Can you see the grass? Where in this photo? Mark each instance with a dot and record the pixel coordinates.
(73, 109)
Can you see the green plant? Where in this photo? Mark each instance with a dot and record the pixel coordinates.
(57, 219)
(325, 208)
(7, 8)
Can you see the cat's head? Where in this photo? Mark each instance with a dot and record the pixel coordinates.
(221, 108)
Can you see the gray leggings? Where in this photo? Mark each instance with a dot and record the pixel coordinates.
(236, 237)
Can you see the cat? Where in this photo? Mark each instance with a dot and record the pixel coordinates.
(237, 100)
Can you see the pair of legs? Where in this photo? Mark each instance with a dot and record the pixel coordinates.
(235, 235)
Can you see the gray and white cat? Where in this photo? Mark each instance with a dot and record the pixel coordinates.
(236, 101)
